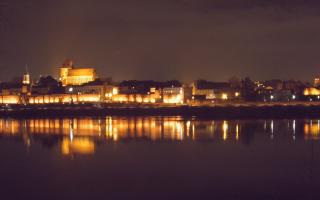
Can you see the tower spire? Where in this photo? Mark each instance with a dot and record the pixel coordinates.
(27, 72)
(26, 77)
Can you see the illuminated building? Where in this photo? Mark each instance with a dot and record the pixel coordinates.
(69, 75)
(14, 92)
(205, 90)
(170, 92)
(202, 90)
(173, 95)
(98, 87)
(26, 79)
(136, 98)
(26, 87)
(9, 99)
(63, 98)
(311, 91)
(149, 92)
(10, 92)
(110, 91)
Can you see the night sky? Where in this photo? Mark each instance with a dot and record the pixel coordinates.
(163, 39)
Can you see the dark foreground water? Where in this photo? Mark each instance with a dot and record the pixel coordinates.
(159, 158)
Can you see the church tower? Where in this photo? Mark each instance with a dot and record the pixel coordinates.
(64, 70)
(26, 78)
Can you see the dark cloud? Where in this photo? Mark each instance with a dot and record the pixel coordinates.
(163, 39)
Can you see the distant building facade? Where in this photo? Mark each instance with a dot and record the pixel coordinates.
(209, 91)
(170, 92)
(173, 95)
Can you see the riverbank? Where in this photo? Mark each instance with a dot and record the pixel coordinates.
(218, 111)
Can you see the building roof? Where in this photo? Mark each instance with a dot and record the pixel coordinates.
(203, 84)
(150, 83)
(143, 87)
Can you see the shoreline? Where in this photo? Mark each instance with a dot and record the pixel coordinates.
(224, 111)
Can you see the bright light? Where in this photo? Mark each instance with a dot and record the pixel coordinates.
(271, 97)
(114, 91)
(225, 130)
(224, 96)
(71, 89)
(311, 91)
(153, 90)
(174, 99)
(237, 132)
(293, 96)
(237, 94)
(9, 99)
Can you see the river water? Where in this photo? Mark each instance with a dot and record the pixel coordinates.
(159, 158)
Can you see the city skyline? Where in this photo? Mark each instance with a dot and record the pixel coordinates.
(159, 99)
(18, 77)
(163, 40)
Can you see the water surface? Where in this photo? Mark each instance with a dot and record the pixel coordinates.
(159, 158)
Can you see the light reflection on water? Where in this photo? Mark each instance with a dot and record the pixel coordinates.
(134, 157)
(81, 135)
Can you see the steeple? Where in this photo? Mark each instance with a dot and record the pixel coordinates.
(26, 77)
(68, 63)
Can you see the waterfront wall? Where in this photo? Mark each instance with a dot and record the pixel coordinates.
(63, 98)
(10, 99)
(218, 112)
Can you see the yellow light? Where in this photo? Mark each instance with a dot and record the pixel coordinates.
(115, 137)
(237, 94)
(76, 76)
(225, 130)
(237, 132)
(9, 99)
(173, 99)
(224, 96)
(77, 145)
(139, 99)
(311, 91)
(108, 95)
(153, 90)
(115, 91)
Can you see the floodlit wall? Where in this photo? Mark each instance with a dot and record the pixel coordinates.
(173, 95)
(71, 76)
(64, 98)
(9, 99)
(311, 92)
(169, 96)
(135, 98)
